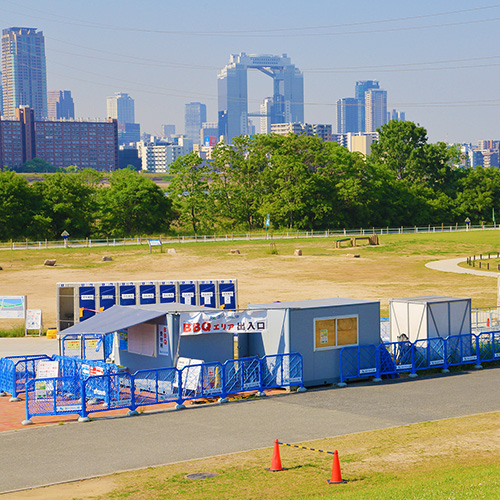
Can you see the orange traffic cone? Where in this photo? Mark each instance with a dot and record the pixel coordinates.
(336, 474)
(276, 462)
(488, 322)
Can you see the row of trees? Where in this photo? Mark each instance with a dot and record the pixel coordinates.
(80, 204)
(300, 182)
(304, 183)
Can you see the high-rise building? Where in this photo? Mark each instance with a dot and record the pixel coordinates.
(24, 76)
(348, 115)
(195, 115)
(208, 134)
(60, 105)
(288, 96)
(375, 109)
(359, 93)
(121, 108)
(265, 113)
(61, 143)
(1, 95)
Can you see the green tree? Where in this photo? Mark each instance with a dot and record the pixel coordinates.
(189, 192)
(132, 205)
(16, 207)
(37, 165)
(66, 202)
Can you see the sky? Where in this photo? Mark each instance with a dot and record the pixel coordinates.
(438, 61)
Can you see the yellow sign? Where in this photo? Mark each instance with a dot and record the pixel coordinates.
(73, 344)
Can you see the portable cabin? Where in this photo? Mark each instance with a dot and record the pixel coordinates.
(317, 329)
(418, 318)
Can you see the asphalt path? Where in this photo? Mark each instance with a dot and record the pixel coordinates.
(46, 455)
(451, 266)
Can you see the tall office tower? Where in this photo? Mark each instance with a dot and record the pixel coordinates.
(60, 105)
(375, 109)
(194, 116)
(348, 115)
(359, 93)
(24, 77)
(121, 108)
(1, 95)
(288, 92)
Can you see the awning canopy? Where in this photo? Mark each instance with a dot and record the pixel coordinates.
(120, 317)
(113, 319)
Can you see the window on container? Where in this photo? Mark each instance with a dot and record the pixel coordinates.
(331, 333)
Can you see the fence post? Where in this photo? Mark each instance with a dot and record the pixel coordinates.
(223, 399)
(377, 378)
(261, 392)
(179, 405)
(413, 373)
(83, 412)
(478, 365)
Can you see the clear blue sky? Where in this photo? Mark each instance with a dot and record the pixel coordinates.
(439, 61)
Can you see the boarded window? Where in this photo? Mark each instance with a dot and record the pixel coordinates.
(335, 332)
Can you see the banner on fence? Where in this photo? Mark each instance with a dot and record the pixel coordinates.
(223, 322)
(191, 374)
(12, 307)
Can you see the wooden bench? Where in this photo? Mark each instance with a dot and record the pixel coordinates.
(338, 243)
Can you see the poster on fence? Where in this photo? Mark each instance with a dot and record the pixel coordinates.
(223, 322)
(47, 369)
(191, 375)
(12, 307)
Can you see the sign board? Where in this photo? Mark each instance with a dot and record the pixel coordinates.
(191, 375)
(223, 322)
(163, 349)
(13, 307)
(47, 369)
(34, 319)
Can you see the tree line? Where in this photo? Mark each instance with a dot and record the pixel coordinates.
(300, 182)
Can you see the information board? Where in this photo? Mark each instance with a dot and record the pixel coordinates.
(34, 319)
(13, 307)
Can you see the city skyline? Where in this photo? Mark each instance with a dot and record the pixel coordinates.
(438, 63)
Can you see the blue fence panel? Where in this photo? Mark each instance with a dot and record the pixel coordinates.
(15, 371)
(488, 344)
(242, 375)
(115, 392)
(201, 381)
(53, 396)
(401, 356)
(430, 353)
(281, 370)
(461, 349)
(155, 386)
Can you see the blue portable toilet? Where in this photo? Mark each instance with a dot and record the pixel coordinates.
(187, 293)
(226, 294)
(86, 300)
(147, 292)
(128, 296)
(167, 292)
(107, 295)
(206, 293)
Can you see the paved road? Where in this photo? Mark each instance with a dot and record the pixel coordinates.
(451, 266)
(45, 455)
(18, 346)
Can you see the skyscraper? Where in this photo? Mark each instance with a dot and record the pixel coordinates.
(348, 115)
(359, 93)
(375, 109)
(24, 76)
(121, 108)
(60, 105)
(288, 96)
(195, 115)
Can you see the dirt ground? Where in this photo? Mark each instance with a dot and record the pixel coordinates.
(267, 278)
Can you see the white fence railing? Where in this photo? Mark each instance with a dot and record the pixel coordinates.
(483, 318)
(275, 235)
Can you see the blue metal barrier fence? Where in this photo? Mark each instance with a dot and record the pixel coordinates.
(112, 390)
(392, 358)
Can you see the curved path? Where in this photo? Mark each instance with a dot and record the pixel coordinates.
(451, 266)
